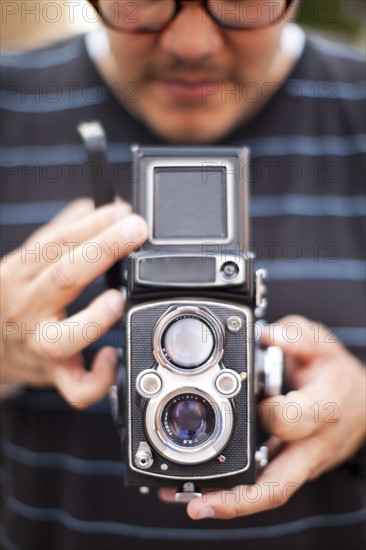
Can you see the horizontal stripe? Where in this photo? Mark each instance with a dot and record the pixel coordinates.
(53, 102)
(52, 401)
(323, 89)
(4, 476)
(49, 155)
(42, 59)
(260, 207)
(351, 336)
(4, 540)
(311, 146)
(305, 205)
(12, 157)
(164, 533)
(30, 212)
(307, 269)
(63, 461)
(333, 49)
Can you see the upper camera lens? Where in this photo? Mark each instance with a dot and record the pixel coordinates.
(188, 342)
(188, 420)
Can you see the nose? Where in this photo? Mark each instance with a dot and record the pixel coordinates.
(192, 35)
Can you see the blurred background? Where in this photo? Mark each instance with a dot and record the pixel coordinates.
(28, 23)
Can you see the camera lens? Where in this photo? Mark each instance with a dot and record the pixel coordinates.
(188, 342)
(188, 420)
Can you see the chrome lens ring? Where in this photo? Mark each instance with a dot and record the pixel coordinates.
(180, 453)
(205, 357)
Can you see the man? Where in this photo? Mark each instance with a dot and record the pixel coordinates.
(211, 72)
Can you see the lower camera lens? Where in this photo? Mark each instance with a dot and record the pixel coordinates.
(188, 342)
(188, 420)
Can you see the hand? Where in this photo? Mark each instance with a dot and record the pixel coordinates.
(40, 346)
(320, 424)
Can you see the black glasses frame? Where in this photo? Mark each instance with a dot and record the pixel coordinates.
(178, 7)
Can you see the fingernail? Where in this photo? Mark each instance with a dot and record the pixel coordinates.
(115, 302)
(112, 357)
(205, 512)
(133, 228)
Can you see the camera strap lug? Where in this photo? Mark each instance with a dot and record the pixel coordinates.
(187, 492)
(260, 292)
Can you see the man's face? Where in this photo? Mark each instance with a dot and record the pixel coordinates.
(194, 81)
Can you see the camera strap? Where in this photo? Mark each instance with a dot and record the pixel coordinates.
(103, 192)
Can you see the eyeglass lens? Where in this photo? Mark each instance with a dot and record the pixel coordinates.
(150, 15)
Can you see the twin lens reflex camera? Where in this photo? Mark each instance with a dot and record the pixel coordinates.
(193, 369)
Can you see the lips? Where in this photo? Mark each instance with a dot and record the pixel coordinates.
(190, 90)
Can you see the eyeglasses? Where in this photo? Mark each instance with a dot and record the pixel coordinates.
(146, 16)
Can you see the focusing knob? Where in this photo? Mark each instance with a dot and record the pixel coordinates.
(273, 371)
(269, 371)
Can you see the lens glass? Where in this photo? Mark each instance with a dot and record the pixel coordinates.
(188, 420)
(188, 342)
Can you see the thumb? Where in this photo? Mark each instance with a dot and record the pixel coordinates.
(80, 387)
(301, 338)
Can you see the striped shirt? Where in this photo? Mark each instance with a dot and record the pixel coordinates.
(62, 469)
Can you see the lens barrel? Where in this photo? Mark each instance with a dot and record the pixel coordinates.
(188, 420)
(188, 342)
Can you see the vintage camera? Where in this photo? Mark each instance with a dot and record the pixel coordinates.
(187, 405)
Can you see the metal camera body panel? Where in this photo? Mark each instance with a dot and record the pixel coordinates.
(195, 201)
(189, 397)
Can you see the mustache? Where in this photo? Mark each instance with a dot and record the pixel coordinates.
(178, 69)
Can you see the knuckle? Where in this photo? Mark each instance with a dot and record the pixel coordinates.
(52, 349)
(230, 510)
(281, 427)
(65, 238)
(16, 311)
(279, 498)
(234, 511)
(108, 245)
(64, 275)
(329, 446)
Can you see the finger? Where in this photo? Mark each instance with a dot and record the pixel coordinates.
(301, 338)
(298, 414)
(62, 340)
(76, 210)
(55, 240)
(82, 388)
(279, 481)
(61, 283)
(167, 494)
